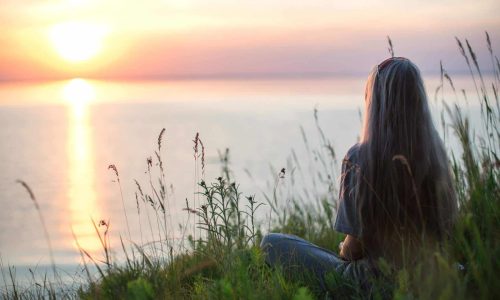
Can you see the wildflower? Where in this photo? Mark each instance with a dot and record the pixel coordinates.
(113, 167)
(160, 139)
(282, 173)
(196, 142)
(202, 158)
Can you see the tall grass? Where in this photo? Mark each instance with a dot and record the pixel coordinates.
(217, 256)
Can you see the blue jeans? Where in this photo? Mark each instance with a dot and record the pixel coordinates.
(297, 256)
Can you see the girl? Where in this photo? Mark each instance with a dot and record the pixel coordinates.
(396, 195)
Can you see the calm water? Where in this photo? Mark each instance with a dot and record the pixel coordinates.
(60, 138)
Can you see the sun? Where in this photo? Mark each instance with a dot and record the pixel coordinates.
(77, 41)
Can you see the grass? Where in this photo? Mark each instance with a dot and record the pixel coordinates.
(218, 256)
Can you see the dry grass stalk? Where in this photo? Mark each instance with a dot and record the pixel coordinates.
(115, 170)
(42, 220)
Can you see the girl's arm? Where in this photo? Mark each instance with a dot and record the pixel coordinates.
(351, 248)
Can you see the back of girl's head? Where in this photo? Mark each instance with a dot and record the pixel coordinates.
(405, 186)
(396, 104)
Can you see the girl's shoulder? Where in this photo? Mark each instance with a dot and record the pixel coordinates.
(353, 152)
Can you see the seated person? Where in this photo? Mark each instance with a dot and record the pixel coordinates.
(396, 194)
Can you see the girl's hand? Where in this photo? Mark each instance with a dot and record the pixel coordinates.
(351, 248)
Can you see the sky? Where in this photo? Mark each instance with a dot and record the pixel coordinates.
(228, 38)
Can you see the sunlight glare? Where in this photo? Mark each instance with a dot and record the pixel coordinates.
(76, 41)
(78, 93)
(78, 90)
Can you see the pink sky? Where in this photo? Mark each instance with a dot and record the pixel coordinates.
(188, 38)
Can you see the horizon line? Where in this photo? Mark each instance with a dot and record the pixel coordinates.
(221, 76)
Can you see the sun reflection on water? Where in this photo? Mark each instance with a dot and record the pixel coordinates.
(78, 93)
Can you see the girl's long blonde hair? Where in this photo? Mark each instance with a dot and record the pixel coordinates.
(405, 190)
